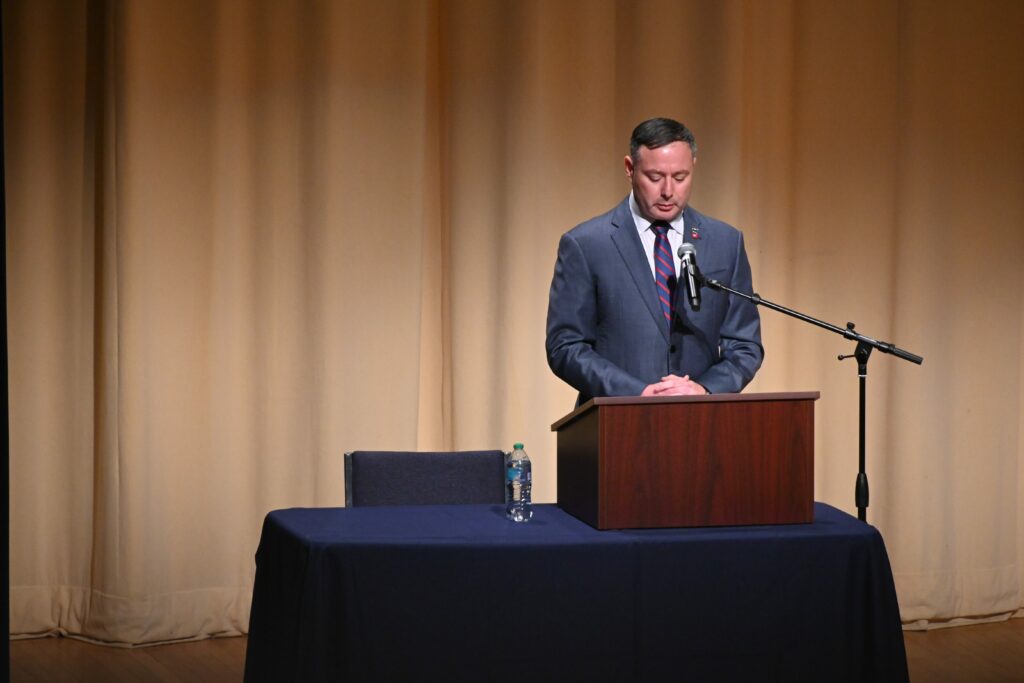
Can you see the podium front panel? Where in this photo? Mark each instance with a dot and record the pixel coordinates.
(683, 463)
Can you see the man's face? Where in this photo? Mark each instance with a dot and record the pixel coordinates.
(662, 179)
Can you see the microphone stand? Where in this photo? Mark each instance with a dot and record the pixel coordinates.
(862, 352)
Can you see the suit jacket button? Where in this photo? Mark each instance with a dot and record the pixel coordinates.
(672, 349)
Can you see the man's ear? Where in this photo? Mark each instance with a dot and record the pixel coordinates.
(629, 166)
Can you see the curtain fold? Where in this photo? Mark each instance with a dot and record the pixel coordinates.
(245, 237)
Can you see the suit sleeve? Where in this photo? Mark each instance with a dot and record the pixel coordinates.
(740, 349)
(572, 330)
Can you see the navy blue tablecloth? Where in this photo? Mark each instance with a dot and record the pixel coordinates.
(459, 593)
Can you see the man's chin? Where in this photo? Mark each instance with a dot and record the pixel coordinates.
(666, 214)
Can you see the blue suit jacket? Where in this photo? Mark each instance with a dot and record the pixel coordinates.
(606, 334)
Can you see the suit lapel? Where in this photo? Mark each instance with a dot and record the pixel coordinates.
(694, 234)
(627, 241)
(692, 229)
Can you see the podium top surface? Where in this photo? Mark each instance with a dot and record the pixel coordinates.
(707, 398)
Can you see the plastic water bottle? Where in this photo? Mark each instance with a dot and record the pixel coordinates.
(518, 480)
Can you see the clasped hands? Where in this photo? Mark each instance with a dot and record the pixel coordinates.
(673, 385)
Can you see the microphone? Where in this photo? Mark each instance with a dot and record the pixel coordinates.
(688, 256)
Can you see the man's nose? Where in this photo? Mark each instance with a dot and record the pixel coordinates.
(666, 187)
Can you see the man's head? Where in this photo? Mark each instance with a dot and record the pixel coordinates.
(662, 156)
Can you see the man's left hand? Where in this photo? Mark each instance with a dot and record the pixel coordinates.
(673, 385)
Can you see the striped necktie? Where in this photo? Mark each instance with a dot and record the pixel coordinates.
(664, 269)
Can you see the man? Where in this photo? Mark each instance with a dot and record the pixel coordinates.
(618, 324)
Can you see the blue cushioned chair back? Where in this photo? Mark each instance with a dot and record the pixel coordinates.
(424, 478)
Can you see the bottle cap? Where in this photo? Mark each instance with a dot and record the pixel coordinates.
(517, 446)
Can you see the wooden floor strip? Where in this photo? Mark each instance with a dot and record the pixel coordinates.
(984, 653)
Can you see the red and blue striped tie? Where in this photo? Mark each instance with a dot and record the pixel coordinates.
(664, 269)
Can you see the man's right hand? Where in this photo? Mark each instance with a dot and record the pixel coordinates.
(673, 385)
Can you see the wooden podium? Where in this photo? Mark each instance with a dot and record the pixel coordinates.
(723, 459)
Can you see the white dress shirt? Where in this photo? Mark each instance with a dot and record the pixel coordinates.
(647, 235)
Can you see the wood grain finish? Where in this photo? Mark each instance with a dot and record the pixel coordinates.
(578, 469)
(60, 660)
(985, 652)
(701, 461)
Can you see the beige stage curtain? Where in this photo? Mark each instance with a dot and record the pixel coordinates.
(247, 236)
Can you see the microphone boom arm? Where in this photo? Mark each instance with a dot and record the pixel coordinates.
(847, 332)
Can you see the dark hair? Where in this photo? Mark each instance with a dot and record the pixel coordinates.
(654, 133)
